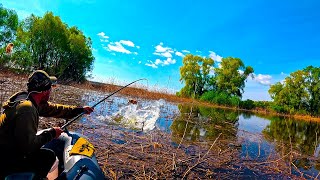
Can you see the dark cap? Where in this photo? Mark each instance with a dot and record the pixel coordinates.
(40, 81)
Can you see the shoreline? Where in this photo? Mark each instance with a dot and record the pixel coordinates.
(140, 92)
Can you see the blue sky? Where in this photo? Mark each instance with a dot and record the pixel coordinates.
(147, 39)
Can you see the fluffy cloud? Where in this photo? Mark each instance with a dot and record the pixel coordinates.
(159, 62)
(179, 54)
(185, 51)
(151, 64)
(127, 43)
(215, 57)
(103, 37)
(169, 61)
(263, 79)
(117, 46)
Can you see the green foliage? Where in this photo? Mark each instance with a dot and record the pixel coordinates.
(231, 76)
(224, 86)
(48, 43)
(299, 93)
(220, 98)
(195, 74)
(262, 104)
(247, 104)
(8, 25)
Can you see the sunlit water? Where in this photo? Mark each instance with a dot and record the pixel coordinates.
(259, 136)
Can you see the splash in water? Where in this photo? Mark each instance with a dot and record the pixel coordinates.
(135, 117)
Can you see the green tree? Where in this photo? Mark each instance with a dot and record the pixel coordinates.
(296, 88)
(8, 25)
(80, 49)
(48, 43)
(195, 73)
(312, 81)
(299, 93)
(231, 76)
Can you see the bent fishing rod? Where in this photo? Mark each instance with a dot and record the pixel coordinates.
(79, 115)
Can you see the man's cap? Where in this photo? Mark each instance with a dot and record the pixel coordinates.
(40, 81)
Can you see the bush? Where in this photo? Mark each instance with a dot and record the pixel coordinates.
(220, 98)
(277, 108)
(247, 104)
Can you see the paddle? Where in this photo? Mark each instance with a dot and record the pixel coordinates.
(75, 118)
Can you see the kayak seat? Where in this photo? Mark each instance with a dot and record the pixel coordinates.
(24, 176)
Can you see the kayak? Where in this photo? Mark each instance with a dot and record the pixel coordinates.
(75, 159)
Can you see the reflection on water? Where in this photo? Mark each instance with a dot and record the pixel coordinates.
(256, 137)
(201, 123)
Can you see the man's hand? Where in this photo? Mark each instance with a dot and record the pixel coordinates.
(58, 131)
(87, 109)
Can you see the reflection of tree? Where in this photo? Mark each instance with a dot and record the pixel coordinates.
(204, 123)
(301, 135)
(247, 115)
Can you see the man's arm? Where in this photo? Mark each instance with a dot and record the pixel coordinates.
(59, 110)
(26, 129)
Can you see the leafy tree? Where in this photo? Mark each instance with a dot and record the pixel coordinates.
(276, 94)
(8, 25)
(299, 93)
(80, 49)
(312, 81)
(48, 43)
(231, 76)
(195, 73)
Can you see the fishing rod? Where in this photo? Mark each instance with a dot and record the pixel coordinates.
(79, 115)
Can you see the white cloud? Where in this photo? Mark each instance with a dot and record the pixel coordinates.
(169, 61)
(197, 51)
(127, 43)
(159, 62)
(103, 37)
(215, 57)
(117, 46)
(284, 74)
(136, 53)
(151, 64)
(138, 47)
(139, 62)
(161, 49)
(179, 54)
(263, 79)
(93, 49)
(166, 54)
(185, 51)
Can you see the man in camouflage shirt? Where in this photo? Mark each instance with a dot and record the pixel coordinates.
(20, 146)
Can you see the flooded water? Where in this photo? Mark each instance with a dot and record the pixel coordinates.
(257, 137)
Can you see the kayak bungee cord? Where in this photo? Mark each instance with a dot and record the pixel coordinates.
(75, 118)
